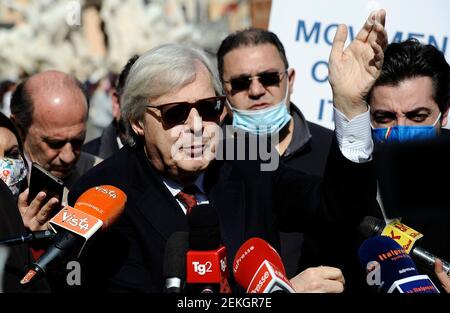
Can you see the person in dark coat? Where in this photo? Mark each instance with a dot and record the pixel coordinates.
(113, 135)
(173, 102)
(13, 172)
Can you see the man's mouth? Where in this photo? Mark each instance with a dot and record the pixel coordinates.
(259, 106)
(195, 150)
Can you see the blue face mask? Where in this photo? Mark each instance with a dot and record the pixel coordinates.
(266, 121)
(405, 133)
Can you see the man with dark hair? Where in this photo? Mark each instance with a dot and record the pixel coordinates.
(253, 103)
(303, 145)
(410, 99)
(113, 136)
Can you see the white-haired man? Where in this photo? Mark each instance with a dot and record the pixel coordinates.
(173, 101)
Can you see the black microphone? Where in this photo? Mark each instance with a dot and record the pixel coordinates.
(206, 260)
(174, 268)
(405, 236)
(30, 237)
(204, 228)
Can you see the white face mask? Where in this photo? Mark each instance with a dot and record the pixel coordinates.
(266, 121)
(12, 172)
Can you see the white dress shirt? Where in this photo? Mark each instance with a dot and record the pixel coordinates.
(354, 136)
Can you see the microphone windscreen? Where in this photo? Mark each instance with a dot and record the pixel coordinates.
(204, 228)
(175, 255)
(249, 258)
(371, 226)
(392, 260)
(104, 202)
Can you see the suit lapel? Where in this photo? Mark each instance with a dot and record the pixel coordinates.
(162, 211)
(108, 142)
(226, 192)
(157, 204)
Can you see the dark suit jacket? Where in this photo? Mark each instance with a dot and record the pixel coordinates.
(413, 185)
(85, 162)
(308, 152)
(129, 257)
(105, 145)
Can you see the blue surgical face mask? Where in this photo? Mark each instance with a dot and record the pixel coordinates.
(12, 172)
(266, 121)
(405, 133)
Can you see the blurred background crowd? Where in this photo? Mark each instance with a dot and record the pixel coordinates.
(93, 39)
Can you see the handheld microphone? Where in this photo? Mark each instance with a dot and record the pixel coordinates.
(174, 268)
(258, 268)
(4, 254)
(30, 237)
(404, 236)
(391, 269)
(206, 260)
(96, 208)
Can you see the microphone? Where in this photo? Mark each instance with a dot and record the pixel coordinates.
(391, 269)
(404, 236)
(258, 268)
(206, 260)
(174, 268)
(96, 208)
(4, 254)
(30, 237)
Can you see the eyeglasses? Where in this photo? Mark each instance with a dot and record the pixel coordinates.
(176, 113)
(266, 79)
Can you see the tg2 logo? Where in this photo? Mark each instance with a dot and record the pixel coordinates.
(202, 269)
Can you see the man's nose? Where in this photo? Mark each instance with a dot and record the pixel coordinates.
(67, 154)
(401, 121)
(195, 122)
(256, 89)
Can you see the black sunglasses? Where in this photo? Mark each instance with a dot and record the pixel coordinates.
(266, 79)
(176, 113)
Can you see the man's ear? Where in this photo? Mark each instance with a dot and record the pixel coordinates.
(138, 127)
(444, 118)
(115, 101)
(291, 77)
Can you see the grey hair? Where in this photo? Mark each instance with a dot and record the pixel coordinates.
(157, 72)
